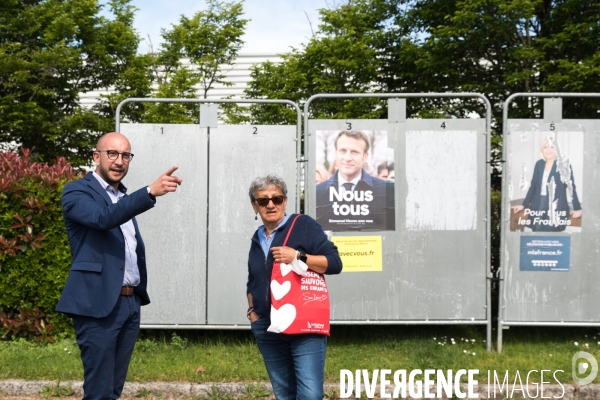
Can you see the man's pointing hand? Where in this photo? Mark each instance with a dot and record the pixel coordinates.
(166, 183)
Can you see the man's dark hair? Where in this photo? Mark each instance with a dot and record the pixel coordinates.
(358, 135)
(381, 167)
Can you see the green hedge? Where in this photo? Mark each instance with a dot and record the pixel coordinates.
(34, 250)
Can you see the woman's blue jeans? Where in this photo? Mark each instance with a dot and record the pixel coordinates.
(295, 363)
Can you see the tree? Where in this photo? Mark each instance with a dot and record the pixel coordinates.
(501, 47)
(50, 53)
(493, 47)
(340, 58)
(180, 84)
(207, 41)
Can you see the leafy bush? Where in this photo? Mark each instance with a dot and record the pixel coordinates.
(26, 324)
(34, 250)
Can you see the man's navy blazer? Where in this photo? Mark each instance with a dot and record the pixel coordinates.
(98, 247)
(381, 208)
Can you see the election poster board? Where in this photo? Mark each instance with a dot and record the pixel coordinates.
(355, 180)
(549, 269)
(437, 169)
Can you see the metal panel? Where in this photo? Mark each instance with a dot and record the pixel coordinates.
(238, 154)
(174, 231)
(552, 110)
(209, 115)
(430, 273)
(545, 296)
(396, 110)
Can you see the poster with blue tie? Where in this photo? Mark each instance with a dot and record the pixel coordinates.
(355, 180)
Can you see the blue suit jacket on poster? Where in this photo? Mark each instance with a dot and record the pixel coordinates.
(98, 247)
(381, 208)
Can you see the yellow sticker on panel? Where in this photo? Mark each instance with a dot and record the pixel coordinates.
(359, 253)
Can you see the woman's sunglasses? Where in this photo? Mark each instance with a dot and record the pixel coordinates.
(264, 201)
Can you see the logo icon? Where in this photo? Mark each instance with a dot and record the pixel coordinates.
(584, 367)
(309, 325)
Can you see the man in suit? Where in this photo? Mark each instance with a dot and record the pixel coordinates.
(108, 278)
(352, 199)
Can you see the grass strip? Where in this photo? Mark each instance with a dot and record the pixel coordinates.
(232, 356)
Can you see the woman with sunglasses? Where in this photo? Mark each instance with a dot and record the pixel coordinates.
(295, 363)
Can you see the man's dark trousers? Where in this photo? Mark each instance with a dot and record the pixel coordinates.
(106, 345)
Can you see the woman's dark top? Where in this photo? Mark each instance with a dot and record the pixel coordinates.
(307, 236)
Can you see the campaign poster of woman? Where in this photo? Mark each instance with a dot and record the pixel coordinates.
(355, 180)
(545, 187)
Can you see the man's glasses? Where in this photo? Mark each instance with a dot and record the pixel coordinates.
(113, 155)
(264, 201)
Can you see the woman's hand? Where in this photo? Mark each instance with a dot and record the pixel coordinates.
(253, 316)
(283, 254)
(576, 214)
(517, 209)
(286, 255)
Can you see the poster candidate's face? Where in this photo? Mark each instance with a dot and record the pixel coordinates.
(548, 151)
(350, 156)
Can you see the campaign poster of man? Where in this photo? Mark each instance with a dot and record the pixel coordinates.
(545, 188)
(355, 180)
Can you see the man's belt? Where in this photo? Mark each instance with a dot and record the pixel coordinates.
(127, 291)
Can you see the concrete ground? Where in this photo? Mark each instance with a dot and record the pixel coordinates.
(20, 389)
